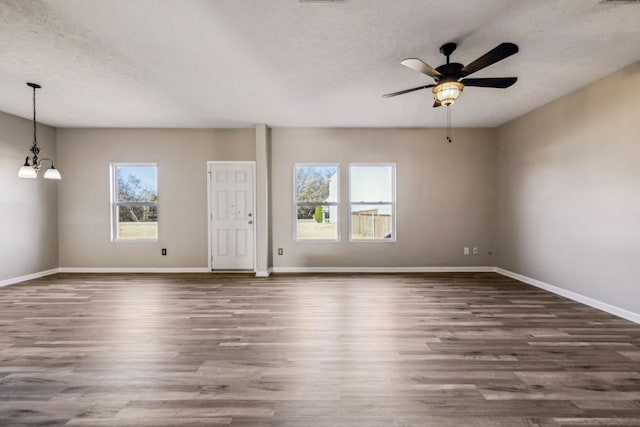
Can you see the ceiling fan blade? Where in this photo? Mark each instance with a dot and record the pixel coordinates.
(436, 104)
(420, 66)
(496, 54)
(497, 82)
(389, 95)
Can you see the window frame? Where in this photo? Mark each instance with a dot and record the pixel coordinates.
(337, 204)
(394, 232)
(115, 203)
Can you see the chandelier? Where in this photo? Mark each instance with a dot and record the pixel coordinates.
(33, 163)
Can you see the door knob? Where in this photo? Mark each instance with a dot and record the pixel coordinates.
(250, 222)
(250, 214)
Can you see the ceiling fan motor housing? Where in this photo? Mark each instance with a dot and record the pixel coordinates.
(451, 71)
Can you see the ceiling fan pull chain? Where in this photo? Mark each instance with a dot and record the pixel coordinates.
(449, 140)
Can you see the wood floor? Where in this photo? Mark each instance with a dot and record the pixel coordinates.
(437, 350)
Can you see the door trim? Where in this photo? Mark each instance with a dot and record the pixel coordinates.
(211, 163)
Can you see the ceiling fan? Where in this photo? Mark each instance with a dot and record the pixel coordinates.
(448, 85)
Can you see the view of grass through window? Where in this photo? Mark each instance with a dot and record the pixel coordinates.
(316, 197)
(135, 202)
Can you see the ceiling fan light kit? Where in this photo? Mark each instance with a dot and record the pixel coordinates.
(446, 93)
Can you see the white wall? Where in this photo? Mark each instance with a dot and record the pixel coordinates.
(445, 195)
(28, 207)
(444, 192)
(181, 156)
(569, 192)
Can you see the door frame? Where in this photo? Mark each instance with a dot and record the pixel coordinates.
(211, 163)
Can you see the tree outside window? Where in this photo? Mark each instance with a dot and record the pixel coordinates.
(134, 202)
(316, 202)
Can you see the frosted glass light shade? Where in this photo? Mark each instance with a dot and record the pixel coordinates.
(52, 174)
(447, 93)
(27, 172)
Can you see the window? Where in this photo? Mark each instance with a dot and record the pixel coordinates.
(134, 202)
(316, 202)
(372, 201)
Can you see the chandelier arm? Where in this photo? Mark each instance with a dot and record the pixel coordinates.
(42, 160)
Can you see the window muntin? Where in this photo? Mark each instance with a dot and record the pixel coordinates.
(316, 200)
(134, 202)
(372, 202)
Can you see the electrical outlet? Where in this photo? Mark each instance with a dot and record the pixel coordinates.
(476, 251)
(164, 251)
(466, 251)
(280, 251)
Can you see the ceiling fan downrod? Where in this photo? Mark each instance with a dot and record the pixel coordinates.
(447, 49)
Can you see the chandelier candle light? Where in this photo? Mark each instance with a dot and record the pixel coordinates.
(33, 163)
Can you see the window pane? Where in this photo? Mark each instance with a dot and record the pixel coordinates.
(372, 221)
(137, 184)
(316, 195)
(137, 222)
(371, 184)
(316, 184)
(319, 222)
(134, 202)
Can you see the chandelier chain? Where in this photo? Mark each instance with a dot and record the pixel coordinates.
(35, 139)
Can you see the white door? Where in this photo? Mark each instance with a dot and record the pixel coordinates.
(231, 200)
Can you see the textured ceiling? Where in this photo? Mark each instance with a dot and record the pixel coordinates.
(234, 63)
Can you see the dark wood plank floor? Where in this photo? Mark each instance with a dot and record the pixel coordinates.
(311, 350)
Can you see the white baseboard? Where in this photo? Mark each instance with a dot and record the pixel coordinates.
(133, 270)
(479, 269)
(26, 277)
(266, 273)
(611, 309)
